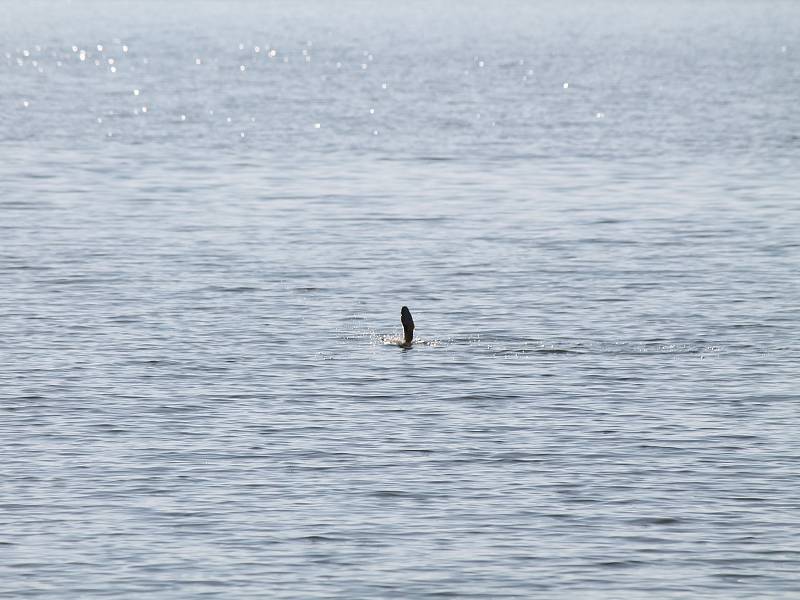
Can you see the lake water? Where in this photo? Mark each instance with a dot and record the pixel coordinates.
(211, 214)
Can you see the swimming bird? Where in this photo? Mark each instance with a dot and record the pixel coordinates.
(408, 326)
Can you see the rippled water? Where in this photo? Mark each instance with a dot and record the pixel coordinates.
(212, 213)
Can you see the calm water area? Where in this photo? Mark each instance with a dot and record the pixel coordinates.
(211, 214)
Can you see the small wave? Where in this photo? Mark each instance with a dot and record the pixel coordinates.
(657, 521)
(233, 289)
(525, 350)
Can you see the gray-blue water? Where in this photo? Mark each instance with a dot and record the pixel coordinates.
(211, 214)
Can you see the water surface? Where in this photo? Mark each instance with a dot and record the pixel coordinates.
(210, 223)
